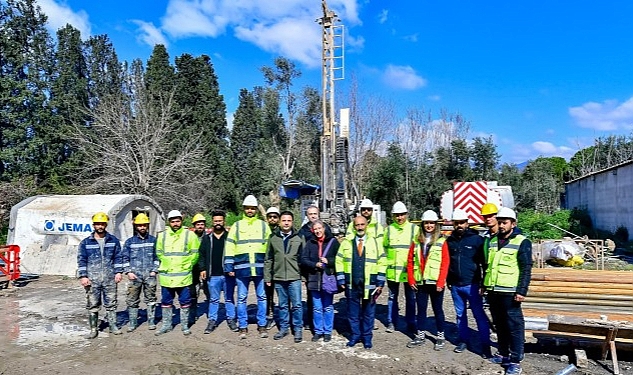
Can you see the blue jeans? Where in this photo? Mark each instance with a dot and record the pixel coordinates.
(290, 290)
(462, 295)
(392, 304)
(422, 296)
(242, 295)
(323, 317)
(167, 296)
(218, 284)
(360, 313)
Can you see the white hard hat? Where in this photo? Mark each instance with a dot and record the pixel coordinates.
(272, 210)
(250, 201)
(399, 208)
(459, 214)
(173, 213)
(366, 203)
(430, 215)
(506, 213)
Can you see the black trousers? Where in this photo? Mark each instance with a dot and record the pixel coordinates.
(508, 318)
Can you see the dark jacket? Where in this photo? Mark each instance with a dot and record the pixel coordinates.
(282, 262)
(467, 259)
(99, 268)
(205, 251)
(139, 256)
(310, 257)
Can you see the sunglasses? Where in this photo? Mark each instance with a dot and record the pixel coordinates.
(366, 209)
(273, 217)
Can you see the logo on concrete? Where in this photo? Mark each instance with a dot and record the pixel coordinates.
(49, 226)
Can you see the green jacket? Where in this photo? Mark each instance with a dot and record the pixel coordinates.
(282, 262)
(177, 252)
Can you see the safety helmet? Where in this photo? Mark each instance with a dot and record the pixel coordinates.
(174, 214)
(429, 215)
(399, 208)
(272, 210)
(250, 201)
(459, 215)
(141, 219)
(366, 203)
(506, 213)
(100, 217)
(198, 217)
(489, 208)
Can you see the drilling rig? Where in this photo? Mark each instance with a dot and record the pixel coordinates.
(336, 191)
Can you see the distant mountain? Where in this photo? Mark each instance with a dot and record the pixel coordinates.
(522, 166)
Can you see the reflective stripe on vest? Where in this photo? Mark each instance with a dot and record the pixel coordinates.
(398, 255)
(502, 274)
(433, 262)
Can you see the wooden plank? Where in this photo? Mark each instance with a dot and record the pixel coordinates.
(626, 290)
(580, 328)
(580, 284)
(594, 313)
(579, 301)
(548, 274)
(587, 296)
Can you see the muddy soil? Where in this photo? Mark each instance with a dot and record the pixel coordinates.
(42, 325)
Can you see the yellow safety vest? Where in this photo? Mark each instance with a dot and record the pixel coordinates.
(502, 274)
(397, 241)
(375, 264)
(245, 248)
(432, 263)
(374, 229)
(178, 253)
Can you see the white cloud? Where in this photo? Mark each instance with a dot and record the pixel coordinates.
(411, 38)
(403, 77)
(60, 14)
(382, 17)
(149, 34)
(435, 98)
(608, 115)
(284, 27)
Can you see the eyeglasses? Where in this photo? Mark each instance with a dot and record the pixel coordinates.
(273, 217)
(366, 209)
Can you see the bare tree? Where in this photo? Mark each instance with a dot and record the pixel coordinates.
(133, 147)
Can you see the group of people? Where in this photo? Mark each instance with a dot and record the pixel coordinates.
(274, 256)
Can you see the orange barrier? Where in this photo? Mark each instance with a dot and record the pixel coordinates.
(10, 255)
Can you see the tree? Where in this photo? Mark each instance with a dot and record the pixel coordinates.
(387, 183)
(484, 159)
(129, 150)
(104, 71)
(160, 75)
(540, 188)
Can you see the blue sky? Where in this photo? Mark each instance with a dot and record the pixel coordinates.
(543, 78)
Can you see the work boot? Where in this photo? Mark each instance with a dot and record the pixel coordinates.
(390, 328)
(166, 326)
(112, 323)
(193, 313)
(184, 320)
(439, 341)
(210, 327)
(298, 336)
(93, 320)
(243, 333)
(270, 322)
(418, 340)
(263, 332)
(232, 325)
(151, 320)
(132, 313)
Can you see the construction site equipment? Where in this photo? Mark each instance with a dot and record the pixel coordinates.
(588, 249)
(471, 197)
(10, 262)
(48, 228)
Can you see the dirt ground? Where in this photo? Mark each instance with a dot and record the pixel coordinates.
(42, 325)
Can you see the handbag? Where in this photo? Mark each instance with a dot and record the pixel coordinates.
(328, 282)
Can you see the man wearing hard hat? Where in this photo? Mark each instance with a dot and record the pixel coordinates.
(374, 229)
(399, 236)
(140, 264)
(465, 273)
(244, 258)
(199, 223)
(177, 250)
(508, 273)
(489, 213)
(99, 267)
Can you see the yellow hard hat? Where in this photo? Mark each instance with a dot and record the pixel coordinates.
(198, 217)
(141, 219)
(489, 208)
(100, 217)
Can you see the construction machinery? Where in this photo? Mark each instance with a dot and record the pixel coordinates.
(336, 192)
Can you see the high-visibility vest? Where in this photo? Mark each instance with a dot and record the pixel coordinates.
(397, 241)
(375, 265)
(432, 263)
(178, 253)
(245, 248)
(502, 274)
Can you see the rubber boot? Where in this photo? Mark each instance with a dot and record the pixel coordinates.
(151, 317)
(166, 326)
(112, 323)
(132, 313)
(93, 319)
(184, 321)
(193, 313)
